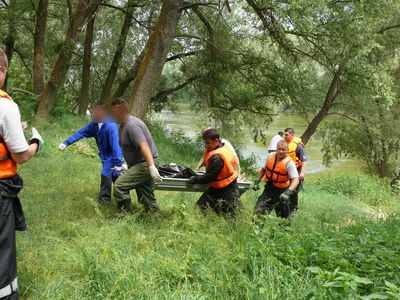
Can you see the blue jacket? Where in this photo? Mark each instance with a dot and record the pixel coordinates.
(107, 140)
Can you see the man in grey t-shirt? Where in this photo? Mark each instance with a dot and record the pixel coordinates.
(140, 153)
(132, 134)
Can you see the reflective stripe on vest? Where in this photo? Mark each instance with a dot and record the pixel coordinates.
(8, 168)
(276, 171)
(292, 146)
(229, 172)
(9, 289)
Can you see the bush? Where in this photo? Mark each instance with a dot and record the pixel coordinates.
(369, 189)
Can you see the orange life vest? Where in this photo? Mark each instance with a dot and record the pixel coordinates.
(229, 173)
(292, 146)
(276, 171)
(8, 168)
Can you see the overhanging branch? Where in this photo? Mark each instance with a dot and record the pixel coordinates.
(182, 55)
(383, 30)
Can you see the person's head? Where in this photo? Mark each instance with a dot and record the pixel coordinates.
(211, 139)
(280, 133)
(289, 134)
(281, 149)
(120, 110)
(98, 112)
(3, 67)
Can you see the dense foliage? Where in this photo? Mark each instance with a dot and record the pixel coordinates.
(242, 62)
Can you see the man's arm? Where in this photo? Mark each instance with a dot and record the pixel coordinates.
(214, 167)
(293, 176)
(294, 183)
(147, 154)
(85, 132)
(300, 153)
(23, 157)
(13, 136)
(148, 157)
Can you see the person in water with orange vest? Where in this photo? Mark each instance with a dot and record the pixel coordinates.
(14, 150)
(297, 154)
(222, 171)
(281, 177)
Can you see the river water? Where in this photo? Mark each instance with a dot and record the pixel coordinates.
(190, 123)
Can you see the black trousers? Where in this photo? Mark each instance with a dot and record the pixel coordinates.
(11, 219)
(269, 200)
(105, 188)
(222, 201)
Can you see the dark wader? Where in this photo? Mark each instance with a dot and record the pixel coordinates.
(11, 219)
(269, 200)
(105, 189)
(222, 201)
(107, 179)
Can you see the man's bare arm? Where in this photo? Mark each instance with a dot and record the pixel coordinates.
(23, 157)
(147, 154)
(294, 183)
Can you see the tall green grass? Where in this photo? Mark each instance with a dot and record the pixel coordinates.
(336, 247)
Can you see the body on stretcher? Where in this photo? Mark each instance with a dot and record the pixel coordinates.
(183, 185)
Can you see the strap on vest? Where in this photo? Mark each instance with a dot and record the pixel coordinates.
(4, 157)
(273, 167)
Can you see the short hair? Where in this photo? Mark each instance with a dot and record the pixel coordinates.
(289, 130)
(100, 105)
(119, 101)
(210, 134)
(282, 142)
(280, 133)
(3, 59)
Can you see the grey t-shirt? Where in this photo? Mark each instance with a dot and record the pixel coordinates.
(132, 134)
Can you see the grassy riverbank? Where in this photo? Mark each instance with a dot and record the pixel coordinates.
(343, 243)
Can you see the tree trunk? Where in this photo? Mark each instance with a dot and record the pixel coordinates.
(9, 41)
(124, 84)
(39, 46)
(107, 88)
(333, 92)
(84, 96)
(157, 48)
(46, 100)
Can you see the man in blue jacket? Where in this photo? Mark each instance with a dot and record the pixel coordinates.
(106, 133)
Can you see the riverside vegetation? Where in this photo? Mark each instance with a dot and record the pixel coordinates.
(342, 244)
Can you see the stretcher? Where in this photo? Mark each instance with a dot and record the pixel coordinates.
(183, 185)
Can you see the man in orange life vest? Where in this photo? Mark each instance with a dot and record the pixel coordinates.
(14, 149)
(281, 177)
(297, 154)
(221, 175)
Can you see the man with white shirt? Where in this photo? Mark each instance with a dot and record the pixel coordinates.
(274, 142)
(14, 150)
(105, 132)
